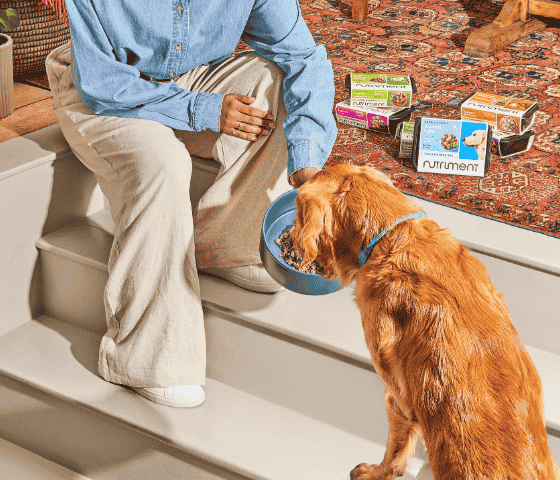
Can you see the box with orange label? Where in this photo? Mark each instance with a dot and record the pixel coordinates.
(505, 114)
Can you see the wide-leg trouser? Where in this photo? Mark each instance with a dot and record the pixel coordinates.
(155, 334)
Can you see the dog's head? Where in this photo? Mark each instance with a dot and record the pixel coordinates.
(477, 138)
(339, 211)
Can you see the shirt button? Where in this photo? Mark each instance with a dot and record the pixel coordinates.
(178, 47)
(180, 9)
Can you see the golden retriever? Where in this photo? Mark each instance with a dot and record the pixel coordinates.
(439, 333)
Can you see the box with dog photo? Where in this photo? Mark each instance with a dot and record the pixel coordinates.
(455, 147)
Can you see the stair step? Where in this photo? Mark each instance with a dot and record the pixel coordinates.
(20, 464)
(232, 429)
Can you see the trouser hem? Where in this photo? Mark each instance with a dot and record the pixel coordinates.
(148, 378)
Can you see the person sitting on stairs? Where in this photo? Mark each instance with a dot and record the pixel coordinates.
(140, 89)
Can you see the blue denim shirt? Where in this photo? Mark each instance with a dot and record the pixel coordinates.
(113, 41)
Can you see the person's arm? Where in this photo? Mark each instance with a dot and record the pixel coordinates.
(276, 30)
(111, 87)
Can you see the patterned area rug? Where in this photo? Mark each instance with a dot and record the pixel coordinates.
(425, 39)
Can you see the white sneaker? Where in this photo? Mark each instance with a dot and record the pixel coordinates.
(182, 396)
(251, 277)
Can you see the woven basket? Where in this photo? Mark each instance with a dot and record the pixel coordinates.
(40, 32)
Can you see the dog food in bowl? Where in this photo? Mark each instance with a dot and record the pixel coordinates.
(291, 256)
(377, 123)
(449, 141)
(278, 219)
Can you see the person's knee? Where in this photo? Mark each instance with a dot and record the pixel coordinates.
(168, 170)
(155, 171)
(267, 88)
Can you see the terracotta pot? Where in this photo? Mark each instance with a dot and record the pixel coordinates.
(6, 76)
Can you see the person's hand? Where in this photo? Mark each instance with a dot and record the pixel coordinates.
(297, 179)
(241, 120)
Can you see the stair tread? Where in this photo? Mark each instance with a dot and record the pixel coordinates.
(231, 428)
(339, 329)
(18, 463)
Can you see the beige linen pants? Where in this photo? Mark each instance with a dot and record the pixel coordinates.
(155, 334)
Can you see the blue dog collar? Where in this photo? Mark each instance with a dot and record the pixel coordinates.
(364, 254)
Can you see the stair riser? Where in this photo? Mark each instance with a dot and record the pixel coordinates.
(73, 291)
(296, 375)
(89, 444)
(532, 299)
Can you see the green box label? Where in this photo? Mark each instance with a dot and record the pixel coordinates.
(369, 94)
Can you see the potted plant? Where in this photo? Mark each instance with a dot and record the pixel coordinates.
(9, 20)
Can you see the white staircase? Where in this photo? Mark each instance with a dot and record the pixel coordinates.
(290, 393)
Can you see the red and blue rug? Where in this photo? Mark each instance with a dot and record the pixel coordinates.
(425, 39)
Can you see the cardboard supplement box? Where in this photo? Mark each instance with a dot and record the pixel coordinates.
(506, 114)
(380, 90)
(456, 147)
(505, 145)
(405, 135)
(375, 119)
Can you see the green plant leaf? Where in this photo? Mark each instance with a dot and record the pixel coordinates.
(9, 20)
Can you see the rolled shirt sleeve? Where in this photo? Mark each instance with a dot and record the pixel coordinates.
(276, 30)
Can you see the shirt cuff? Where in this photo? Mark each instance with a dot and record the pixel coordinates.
(207, 111)
(305, 154)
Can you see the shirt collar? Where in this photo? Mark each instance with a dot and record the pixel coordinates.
(364, 254)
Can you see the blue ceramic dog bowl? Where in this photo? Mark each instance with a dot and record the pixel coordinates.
(278, 218)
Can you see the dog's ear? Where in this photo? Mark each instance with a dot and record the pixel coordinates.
(314, 223)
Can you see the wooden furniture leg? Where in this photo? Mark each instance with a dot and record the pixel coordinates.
(359, 10)
(513, 22)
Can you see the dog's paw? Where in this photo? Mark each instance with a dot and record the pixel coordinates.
(365, 471)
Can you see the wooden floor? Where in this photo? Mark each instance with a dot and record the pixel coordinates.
(33, 108)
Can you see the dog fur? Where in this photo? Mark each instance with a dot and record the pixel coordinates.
(477, 140)
(439, 333)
